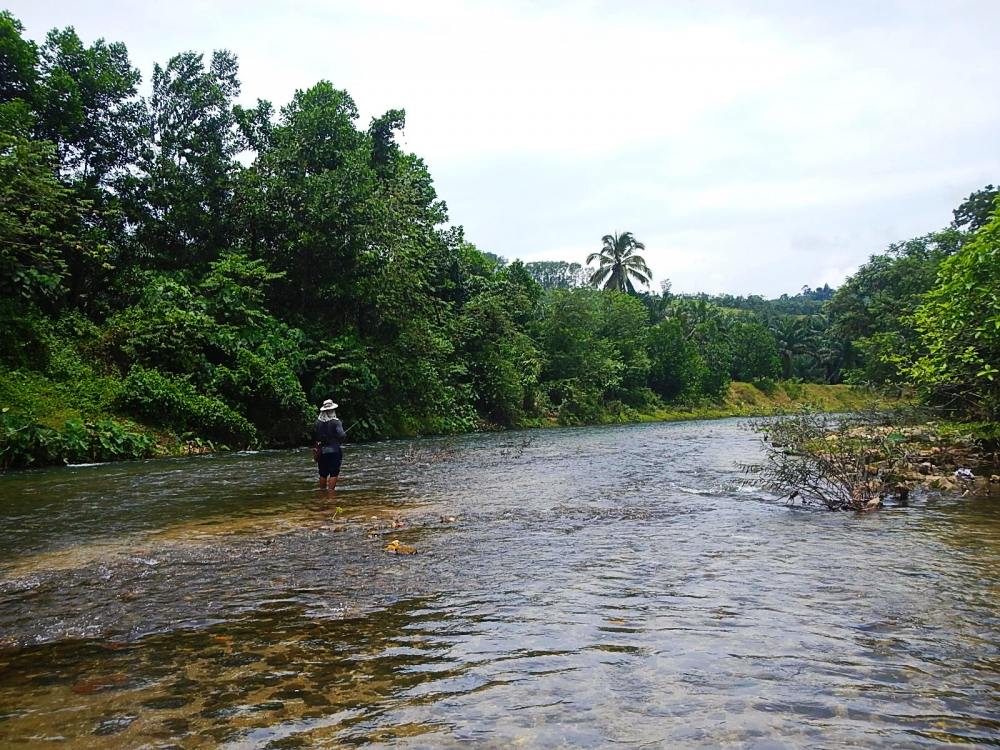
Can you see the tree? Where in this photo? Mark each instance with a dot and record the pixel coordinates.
(959, 326)
(180, 202)
(624, 325)
(619, 263)
(754, 351)
(874, 307)
(557, 274)
(18, 76)
(976, 210)
(502, 361)
(88, 107)
(676, 367)
(40, 223)
(795, 337)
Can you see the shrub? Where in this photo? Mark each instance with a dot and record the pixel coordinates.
(793, 388)
(268, 393)
(766, 386)
(25, 442)
(843, 464)
(174, 402)
(578, 404)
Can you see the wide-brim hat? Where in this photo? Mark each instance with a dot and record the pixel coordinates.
(328, 405)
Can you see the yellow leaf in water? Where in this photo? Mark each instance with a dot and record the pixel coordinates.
(399, 548)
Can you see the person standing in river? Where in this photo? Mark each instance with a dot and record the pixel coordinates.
(328, 434)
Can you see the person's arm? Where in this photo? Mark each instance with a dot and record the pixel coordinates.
(341, 433)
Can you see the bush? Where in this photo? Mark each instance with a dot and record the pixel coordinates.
(793, 388)
(578, 404)
(849, 463)
(268, 393)
(103, 440)
(168, 330)
(174, 403)
(25, 442)
(766, 386)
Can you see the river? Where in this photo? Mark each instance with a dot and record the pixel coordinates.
(591, 587)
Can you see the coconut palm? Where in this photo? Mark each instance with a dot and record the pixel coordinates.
(619, 263)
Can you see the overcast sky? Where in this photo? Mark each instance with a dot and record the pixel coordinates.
(754, 146)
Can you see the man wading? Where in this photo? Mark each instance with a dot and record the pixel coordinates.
(329, 432)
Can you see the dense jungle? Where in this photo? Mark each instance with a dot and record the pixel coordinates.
(181, 273)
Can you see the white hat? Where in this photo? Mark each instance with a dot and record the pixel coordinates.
(328, 405)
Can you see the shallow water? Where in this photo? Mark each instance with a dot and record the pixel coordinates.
(596, 587)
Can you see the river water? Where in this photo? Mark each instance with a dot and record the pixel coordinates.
(592, 587)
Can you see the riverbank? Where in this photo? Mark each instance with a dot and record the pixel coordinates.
(46, 428)
(749, 400)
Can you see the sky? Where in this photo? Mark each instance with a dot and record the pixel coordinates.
(753, 146)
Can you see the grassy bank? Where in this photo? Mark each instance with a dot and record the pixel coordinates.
(76, 418)
(748, 400)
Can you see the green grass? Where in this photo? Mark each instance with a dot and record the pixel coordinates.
(746, 400)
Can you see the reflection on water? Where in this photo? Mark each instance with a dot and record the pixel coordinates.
(597, 587)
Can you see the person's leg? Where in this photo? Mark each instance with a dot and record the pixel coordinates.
(335, 460)
(324, 470)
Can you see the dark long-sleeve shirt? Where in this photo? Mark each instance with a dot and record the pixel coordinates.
(330, 433)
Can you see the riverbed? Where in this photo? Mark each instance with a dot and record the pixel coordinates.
(590, 587)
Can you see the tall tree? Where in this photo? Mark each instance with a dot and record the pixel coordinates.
(88, 107)
(959, 325)
(18, 76)
(619, 263)
(874, 307)
(181, 201)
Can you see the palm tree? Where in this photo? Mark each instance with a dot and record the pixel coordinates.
(618, 262)
(795, 336)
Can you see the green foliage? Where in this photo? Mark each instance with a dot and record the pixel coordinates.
(793, 389)
(875, 307)
(87, 105)
(174, 403)
(38, 221)
(579, 360)
(959, 327)
(24, 442)
(578, 403)
(501, 360)
(623, 326)
(169, 328)
(765, 385)
(753, 351)
(179, 195)
(619, 263)
(23, 334)
(677, 368)
(267, 392)
(976, 211)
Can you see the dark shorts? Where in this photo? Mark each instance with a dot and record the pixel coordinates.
(329, 464)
